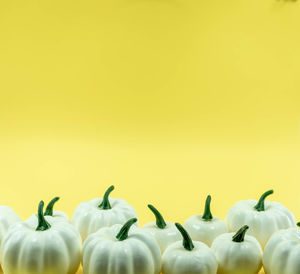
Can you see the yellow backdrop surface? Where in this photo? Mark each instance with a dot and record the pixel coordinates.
(168, 100)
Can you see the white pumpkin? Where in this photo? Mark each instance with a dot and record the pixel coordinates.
(165, 233)
(46, 249)
(7, 218)
(98, 213)
(237, 253)
(50, 214)
(263, 217)
(205, 228)
(282, 252)
(121, 250)
(189, 257)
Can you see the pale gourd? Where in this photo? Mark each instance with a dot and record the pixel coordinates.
(282, 252)
(205, 227)
(188, 256)
(237, 253)
(50, 247)
(7, 218)
(263, 217)
(165, 233)
(121, 249)
(98, 213)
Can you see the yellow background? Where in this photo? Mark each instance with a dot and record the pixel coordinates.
(169, 100)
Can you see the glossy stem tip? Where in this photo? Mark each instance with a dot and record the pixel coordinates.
(42, 223)
(240, 235)
(160, 222)
(105, 204)
(260, 206)
(187, 241)
(49, 208)
(207, 213)
(123, 234)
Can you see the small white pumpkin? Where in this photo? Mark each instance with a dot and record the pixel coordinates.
(116, 250)
(205, 228)
(46, 249)
(282, 252)
(97, 213)
(50, 214)
(7, 218)
(237, 253)
(263, 217)
(165, 233)
(188, 257)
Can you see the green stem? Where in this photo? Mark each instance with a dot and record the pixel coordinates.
(160, 222)
(207, 216)
(187, 241)
(49, 208)
(260, 206)
(240, 235)
(123, 234)
(42, 223)
(105, 204)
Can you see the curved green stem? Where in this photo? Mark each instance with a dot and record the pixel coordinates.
(260, 206)
(105, 204)
(240, 235)
(123, 234)
(49, 208)
(42, 223)
(207, 216)
(160, 222)
(187, 241)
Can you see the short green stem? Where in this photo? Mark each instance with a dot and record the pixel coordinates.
(105, 204)
(123, 234)
(42, 223)
(207, 216)
(49, 208)
(187, 241)
(239, 236)
(260, 206)
(160, 222)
